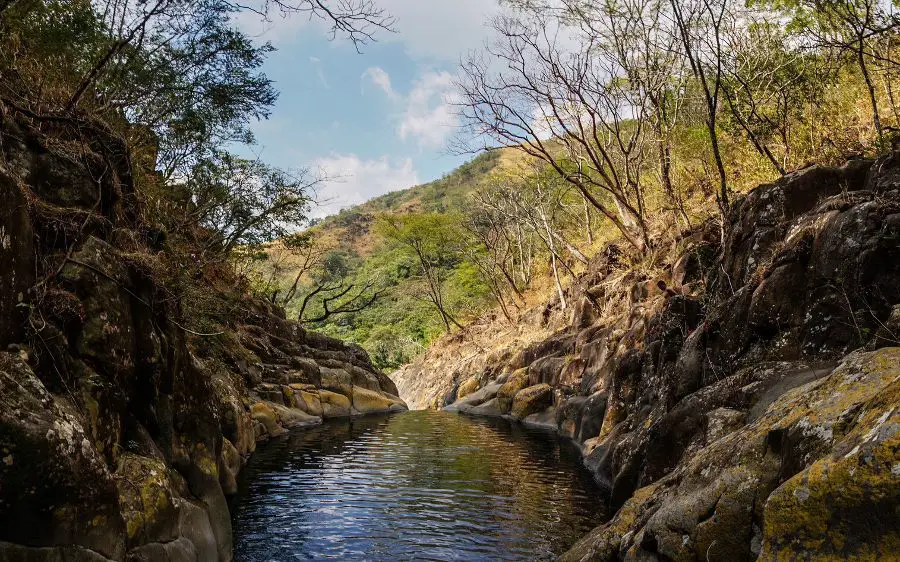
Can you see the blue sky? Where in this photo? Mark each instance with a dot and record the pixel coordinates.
(378, 121)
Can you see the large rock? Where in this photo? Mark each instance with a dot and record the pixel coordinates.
(367, 401)
(516, 381)
(56, 489)
(532, 400)
(813, 476)
(467, 387)
(334, 405)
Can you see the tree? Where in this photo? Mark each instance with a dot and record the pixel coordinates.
(178, 68)
(700, 25)
(853, 28)
(563, 105)
(430, 238)
(334, 292)
(768, 83)
(533, 199)
(245, 202)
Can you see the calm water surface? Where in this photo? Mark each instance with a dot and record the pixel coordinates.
(414, 486)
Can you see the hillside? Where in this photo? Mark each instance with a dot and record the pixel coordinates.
(352, 226)
(399, 324)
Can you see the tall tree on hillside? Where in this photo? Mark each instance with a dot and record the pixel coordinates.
(854, 28)
(430, 238)
(534, 199)
(700, 24)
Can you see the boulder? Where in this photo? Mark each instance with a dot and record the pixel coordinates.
(337, 380)
(516, 381)
(467, 387)
(532, 400)
(264, 413)
(306, 371)
(367, 401)
(57, 490)
(480, 396)
(334, 405)
(546, 370)
(305, 397)
(490, 408)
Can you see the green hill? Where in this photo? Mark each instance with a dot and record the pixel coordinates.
(400, 322)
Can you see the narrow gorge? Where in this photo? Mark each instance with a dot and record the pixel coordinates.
(401, 280)
(121, 430)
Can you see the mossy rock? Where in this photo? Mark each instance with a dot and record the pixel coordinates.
(334, 405)
(467, 387)
(532, 400)
(264, 413)
(305, 397)
(367, 401)
(844, 506)
(147, 499)
(516, 381)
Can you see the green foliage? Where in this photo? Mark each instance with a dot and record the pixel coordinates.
(244, 201)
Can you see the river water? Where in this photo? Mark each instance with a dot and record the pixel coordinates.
(419, 485)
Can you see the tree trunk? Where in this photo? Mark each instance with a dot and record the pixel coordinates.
(873, 99)
(552, 246)
(588, 227)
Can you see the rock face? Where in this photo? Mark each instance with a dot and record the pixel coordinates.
(745, 402)
(121, 432)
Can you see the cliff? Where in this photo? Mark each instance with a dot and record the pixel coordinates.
(736, 399)
(121, 430)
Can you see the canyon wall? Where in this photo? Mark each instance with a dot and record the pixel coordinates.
(121, 430)
(739, 400)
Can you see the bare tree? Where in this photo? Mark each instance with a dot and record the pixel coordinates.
(700, 25)
(853, 27)
(357, 20)
(563, 104)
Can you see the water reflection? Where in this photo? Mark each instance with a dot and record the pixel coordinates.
(414, 486)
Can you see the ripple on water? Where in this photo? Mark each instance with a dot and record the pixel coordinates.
(414, 486)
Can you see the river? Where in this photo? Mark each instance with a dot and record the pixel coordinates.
(419, 485)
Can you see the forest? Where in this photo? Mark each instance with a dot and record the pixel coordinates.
(598, 121)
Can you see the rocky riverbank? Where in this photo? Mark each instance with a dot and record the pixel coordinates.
(738, 400)
(121, 430)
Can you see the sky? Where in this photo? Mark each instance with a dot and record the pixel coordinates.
(377, 121)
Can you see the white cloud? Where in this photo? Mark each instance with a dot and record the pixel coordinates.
(382, 79)
(357, 180)
(437, 28)
(427, 113)
(428, 29)
(429, 116)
